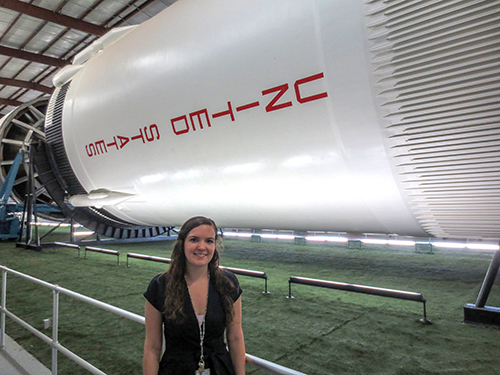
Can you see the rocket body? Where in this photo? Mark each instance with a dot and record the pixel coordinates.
(257, 114)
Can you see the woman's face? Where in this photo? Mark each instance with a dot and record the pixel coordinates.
(199, 246)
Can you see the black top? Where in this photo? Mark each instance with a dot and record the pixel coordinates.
(182, 341)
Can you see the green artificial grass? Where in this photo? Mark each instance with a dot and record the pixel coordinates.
(319, 331)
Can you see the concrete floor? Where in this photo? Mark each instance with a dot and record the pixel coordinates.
(14, 360)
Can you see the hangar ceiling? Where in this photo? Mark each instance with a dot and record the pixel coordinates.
(39, 37)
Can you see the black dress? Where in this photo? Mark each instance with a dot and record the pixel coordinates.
(182, 341)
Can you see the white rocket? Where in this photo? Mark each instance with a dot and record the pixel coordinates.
(363, 117)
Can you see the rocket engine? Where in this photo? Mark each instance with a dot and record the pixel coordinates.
(348, 116)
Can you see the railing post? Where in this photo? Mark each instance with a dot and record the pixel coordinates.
(289, 289)
(3, 302)
(425, 320)
(55, 329)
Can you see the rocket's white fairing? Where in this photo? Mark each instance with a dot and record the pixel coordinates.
(259, 114)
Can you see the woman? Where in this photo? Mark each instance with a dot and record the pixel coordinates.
(196, 302)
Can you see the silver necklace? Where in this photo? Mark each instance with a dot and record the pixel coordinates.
(201, 363)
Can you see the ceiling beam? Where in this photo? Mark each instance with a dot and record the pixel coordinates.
(26, 85)
(34, 57)
(135, 10)
(48, 15)
(12, 102)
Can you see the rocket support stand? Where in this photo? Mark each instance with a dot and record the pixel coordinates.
(480, 314)
(30, 212)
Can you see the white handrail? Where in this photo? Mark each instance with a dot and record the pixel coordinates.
(57, 347)
(271, 367)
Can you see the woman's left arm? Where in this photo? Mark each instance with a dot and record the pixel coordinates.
(235, 340)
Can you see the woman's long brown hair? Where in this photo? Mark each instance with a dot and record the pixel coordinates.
(176, 290)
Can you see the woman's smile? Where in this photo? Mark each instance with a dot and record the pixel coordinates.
(199, 245)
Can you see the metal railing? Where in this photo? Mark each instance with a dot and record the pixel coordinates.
(70, 245)
(103, 251)
(237, 271)
(383, 292)
(54, 340)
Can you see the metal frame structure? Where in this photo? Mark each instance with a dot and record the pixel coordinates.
(29, 213)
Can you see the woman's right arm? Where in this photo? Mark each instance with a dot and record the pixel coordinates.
(153, 342)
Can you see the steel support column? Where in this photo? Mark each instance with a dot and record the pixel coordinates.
(480, 314)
